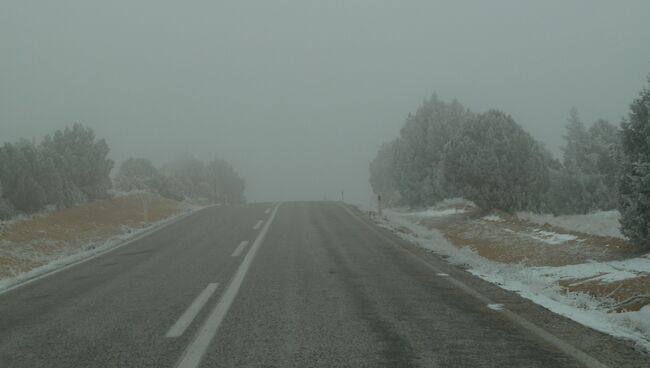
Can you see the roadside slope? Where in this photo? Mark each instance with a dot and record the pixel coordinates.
(44, 242)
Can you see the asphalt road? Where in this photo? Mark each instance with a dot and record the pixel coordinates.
(309, 284)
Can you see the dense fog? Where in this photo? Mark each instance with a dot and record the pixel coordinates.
(299, 95)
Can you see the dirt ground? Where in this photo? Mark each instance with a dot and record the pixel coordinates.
(30, 243)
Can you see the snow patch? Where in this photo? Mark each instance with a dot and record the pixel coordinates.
(437, 213)
(493, 218)
(549, 237)
(601, 223)
(448, 207)
(597, 271)
(579, 307)
(496, 307)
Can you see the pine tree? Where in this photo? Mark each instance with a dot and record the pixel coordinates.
(605, 147)
(634, 184)
(587, 181)
(578, 145)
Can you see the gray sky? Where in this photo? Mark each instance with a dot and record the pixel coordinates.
(299, 94)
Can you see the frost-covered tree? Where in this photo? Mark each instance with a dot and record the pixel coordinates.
(496, 164)
(605, 143)
(18, 174)
(382, 173)
(577, 151)
(141, 174)
(84, 159)
(215, 182)
(419, 150)
(34, 176)
(587, 180)
(605, 148)
(136, 174)
(566, 193)
(634, 185)
(6, 209)
(191, 175)
(63, 192)
(225, 183)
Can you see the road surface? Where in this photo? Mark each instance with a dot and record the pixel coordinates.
(305, 284)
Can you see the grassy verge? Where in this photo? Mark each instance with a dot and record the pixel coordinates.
(35, 242)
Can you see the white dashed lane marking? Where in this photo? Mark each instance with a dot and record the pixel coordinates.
(240, 248)
(190, 313)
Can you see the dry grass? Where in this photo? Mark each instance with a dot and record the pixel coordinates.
(617, 290)
(510, 241)
(31, 243)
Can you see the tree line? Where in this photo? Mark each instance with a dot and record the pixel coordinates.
(187, 177)
(445, 150)
(65, 169)
(72, 166)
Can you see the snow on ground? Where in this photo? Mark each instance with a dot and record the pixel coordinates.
(597, 271)
(540, 284)
(579, 307)
(602, 223)
(437, 213)
(74, 255)
(496, 307)
(493, 218)
(549, 237)
(452, 206)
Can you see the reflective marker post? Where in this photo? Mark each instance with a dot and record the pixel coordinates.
(379, 205)
(145, 210)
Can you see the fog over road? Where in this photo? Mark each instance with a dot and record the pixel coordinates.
(301, 284)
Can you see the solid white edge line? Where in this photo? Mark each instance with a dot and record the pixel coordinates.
(239, 249)
(137, 237)
(257, 226)
(536, 330)
(192, 311)
(194, 352)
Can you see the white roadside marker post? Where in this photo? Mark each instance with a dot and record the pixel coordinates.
(145, 210)
(379, 205)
